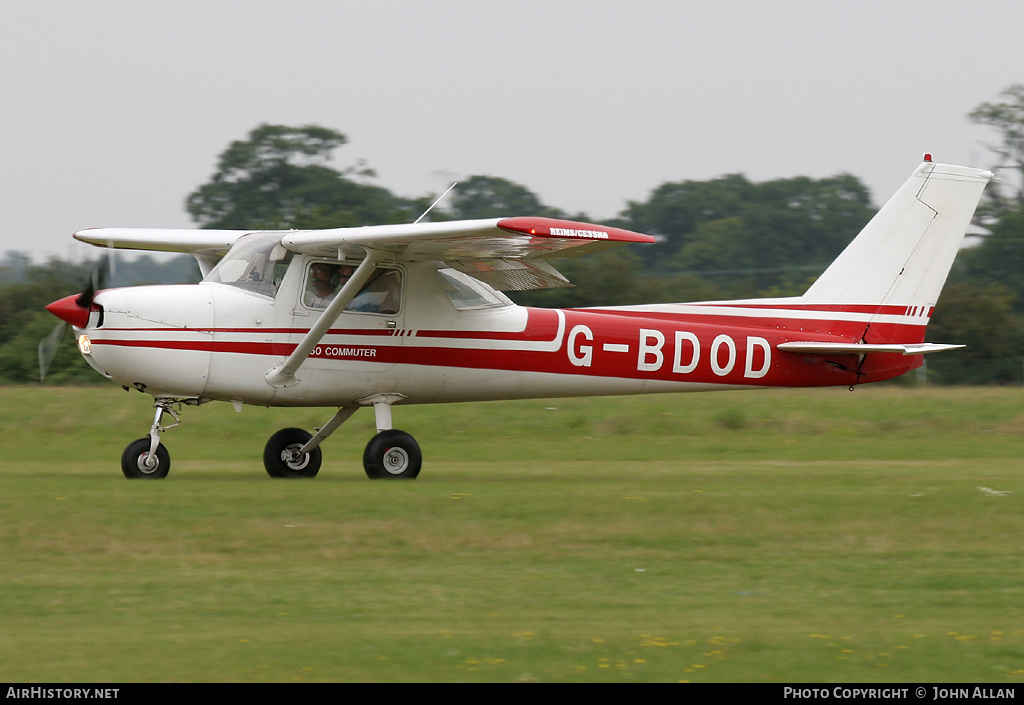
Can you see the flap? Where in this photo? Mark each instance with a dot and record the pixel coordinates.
(513, 274)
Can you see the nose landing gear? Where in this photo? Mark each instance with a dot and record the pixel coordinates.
(146, 457)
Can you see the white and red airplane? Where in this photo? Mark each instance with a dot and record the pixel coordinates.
(412, 314)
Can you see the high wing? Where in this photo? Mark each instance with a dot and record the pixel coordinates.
(161, 239)
(206, 246)
(507, 253)
(466, 240)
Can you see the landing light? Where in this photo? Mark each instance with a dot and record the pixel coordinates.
(84, 344)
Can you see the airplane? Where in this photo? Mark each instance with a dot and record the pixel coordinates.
(388, 315)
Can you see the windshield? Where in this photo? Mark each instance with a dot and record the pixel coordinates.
(256, 263)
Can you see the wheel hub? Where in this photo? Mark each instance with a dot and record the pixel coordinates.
(396, 460)
(147, 464)
(295, 460)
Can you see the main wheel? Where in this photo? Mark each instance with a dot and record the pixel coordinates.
(135, 462)
(392, 454)
(281, 457)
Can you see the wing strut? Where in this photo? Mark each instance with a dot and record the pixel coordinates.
(284, 374)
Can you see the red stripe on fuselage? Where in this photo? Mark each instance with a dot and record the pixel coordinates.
(729, 349)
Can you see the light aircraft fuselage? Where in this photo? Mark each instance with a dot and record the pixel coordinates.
(413, 314)
(176, 348)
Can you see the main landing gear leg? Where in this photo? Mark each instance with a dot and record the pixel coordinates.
(293, 452)
(391, 454)
(146, 457)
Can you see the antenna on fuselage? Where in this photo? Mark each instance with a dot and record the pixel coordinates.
(423, 215)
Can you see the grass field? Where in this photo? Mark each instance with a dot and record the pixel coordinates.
(772, 536)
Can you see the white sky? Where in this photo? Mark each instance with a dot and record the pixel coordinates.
(113, 111)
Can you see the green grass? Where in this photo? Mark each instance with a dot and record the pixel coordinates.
(772, 536)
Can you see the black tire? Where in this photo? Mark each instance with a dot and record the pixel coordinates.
(133, 461)
(391, 455)
(275, 458)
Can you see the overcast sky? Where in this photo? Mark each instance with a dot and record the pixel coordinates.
(113, 111)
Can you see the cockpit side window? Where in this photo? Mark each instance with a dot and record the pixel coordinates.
(381, 294)
(323, 281)
(256, 263)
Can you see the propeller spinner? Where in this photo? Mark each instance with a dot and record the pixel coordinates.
(72, 309)
(75, 309)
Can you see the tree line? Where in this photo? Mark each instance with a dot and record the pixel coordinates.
(726, 237)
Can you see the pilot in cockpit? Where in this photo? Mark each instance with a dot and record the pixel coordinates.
(381, 294)
(325, 280)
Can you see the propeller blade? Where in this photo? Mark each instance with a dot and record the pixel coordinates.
(48, 349)
(97, 281)
(111, 258)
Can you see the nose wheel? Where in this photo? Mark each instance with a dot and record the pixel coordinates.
(138, 462)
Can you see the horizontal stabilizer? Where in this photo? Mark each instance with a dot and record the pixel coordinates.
(814, 348)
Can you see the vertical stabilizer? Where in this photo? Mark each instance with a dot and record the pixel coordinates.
(902, 257)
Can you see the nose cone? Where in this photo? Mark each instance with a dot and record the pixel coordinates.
(70, 311)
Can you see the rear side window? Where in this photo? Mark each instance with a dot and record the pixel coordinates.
(467, 293)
